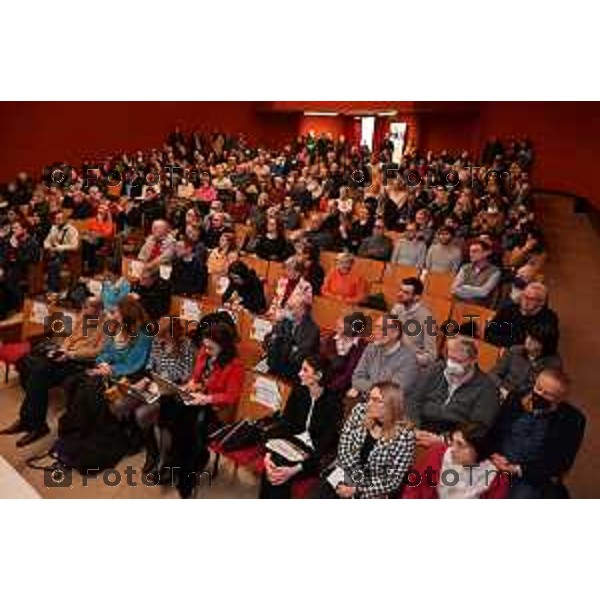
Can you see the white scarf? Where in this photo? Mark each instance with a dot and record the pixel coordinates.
(472, 481)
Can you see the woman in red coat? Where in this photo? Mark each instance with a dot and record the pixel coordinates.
(216, 381)
(458, 471)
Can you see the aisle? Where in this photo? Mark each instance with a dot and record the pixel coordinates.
(573, 273)
(12, 485)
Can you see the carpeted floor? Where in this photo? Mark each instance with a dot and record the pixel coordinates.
(573, 274)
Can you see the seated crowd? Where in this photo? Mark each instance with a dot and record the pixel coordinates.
(383, 412)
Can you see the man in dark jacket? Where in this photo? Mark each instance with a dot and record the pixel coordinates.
(510, 324)
(294, 337)
(190, 275)
(453, 392)
(154, 294)
(537, 436)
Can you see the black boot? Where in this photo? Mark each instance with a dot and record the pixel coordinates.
(152, 453)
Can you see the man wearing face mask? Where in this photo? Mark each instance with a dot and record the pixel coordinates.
(537, 436)
(511, 323)
(452, 392)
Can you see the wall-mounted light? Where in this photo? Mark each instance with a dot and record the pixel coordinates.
(320, 114)
(388, 113)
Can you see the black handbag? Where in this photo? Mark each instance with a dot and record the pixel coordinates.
(243, 434)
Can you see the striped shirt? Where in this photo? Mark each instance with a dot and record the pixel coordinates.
(171, 362)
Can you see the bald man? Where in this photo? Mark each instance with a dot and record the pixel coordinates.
(537, 436)
(159, 247)
(511, 323)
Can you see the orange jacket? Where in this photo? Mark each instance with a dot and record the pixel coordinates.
(104, 229)
(350, 288)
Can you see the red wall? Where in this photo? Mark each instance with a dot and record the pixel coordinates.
(566, 138)
(448, 132)
(33, 134)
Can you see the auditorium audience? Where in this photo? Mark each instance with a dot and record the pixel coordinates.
(306, 194)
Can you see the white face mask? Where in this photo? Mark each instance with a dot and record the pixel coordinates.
(455, 369)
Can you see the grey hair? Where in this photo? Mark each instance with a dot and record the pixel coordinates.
(539, 287)
(467, 344)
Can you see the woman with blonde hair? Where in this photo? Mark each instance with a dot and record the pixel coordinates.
(221, 257)
(376, 449)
